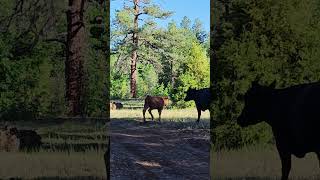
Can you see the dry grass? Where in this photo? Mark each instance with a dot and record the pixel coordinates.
(176, 114)
(260, 163)
(170, 118)
(52, 164)
(71, 151)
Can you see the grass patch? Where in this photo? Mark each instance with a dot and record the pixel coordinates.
(171, 118)
(71, 150)
(261, 163)
(48, 164)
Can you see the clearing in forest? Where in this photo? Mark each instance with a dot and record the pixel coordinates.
(176, 148)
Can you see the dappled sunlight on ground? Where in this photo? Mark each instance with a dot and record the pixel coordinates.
(148, 164)
(178, 147)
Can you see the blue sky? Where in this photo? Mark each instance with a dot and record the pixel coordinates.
(191, 8)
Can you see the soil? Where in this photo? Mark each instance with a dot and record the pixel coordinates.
(155, 151)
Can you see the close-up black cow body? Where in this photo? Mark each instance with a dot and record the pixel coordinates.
(293, 113)
(201, 97)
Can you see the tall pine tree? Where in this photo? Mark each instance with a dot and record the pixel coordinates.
(132, 33)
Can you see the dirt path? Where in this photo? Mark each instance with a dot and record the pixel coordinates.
(156, 151)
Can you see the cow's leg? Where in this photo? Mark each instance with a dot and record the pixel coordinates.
(199, 114)
(159, 111)
(286, 164)
(318, 154)
(151, 114)
(144, 114)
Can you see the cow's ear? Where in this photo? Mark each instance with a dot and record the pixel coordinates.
(273, 84)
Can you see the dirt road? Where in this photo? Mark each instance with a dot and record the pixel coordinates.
(158, 151)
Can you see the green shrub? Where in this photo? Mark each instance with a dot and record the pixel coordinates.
(232, 136)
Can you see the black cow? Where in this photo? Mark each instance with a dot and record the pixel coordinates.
(201, 97)
(118, 105)
(29, 140)
(293, 113)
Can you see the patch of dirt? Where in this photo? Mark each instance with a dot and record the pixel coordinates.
(152, 151)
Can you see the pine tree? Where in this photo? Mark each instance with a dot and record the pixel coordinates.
(132, 33)
(74, 72)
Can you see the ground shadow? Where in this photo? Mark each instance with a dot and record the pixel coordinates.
(61, 178)
(165, 123)
(263, 178)
(166, 150)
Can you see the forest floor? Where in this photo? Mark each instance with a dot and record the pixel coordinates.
(176, 148)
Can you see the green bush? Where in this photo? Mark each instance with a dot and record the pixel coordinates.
(231, 136)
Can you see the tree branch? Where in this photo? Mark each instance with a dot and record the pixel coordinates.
(61, 38)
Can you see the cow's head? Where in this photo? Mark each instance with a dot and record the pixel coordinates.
(166, 100)
(254, 109)
(190, 94)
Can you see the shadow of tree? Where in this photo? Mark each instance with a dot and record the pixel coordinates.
(62, 178)
(165, 123)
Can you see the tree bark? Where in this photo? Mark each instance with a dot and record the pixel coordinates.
(75, 57)
(134, 55)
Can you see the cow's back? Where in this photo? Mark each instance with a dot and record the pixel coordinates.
(155, 102)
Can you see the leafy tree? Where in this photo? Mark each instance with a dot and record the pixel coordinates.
(264, 40)
(131, 36)
(195, 74)
(32, 56)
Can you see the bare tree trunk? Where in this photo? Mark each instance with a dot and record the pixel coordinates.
(173, 75)
(134, 55)
(75, 57)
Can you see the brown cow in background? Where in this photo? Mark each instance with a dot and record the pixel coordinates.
(154, 102)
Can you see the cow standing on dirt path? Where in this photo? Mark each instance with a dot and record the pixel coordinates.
(201, 97)
(154, 102)
(293, 113)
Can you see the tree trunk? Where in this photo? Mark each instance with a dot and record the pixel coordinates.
(134, 55)
(173, 75)
(75, 57)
